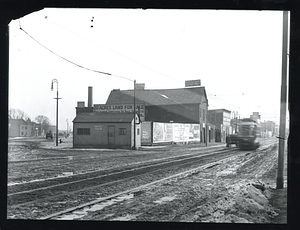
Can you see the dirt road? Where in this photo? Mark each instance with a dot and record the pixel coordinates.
(240, 190)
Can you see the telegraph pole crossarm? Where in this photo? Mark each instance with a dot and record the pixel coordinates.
(57, 98)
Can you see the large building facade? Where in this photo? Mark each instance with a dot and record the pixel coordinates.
(177, 106)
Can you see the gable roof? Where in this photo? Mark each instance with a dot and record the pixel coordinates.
(193, 95)
(103, 117)
(17, 121)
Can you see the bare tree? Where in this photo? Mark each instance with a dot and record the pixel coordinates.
(43, 121)
(17, 114)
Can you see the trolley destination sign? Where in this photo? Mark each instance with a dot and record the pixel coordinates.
(120, 108)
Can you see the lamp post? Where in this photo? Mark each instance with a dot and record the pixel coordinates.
(67, 127)
(55, 81)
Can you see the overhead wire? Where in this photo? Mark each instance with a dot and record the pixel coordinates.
(106, 73)
(112, 50)
(83, 67)
(97, 71)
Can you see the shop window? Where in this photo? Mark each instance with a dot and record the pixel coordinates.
(83, 131)
(122, 131)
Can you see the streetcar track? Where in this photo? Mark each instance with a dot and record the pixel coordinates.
(116, 181)
(189, 159)
(108, 169)
(136, 189)
(163, 162)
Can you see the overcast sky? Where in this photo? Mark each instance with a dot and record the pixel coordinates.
(237, 55)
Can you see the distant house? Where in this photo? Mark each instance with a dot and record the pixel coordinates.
(28, 128)
(18, 128)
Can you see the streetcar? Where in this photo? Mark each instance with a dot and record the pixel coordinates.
(249, 134)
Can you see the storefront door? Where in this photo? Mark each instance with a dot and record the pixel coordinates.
(111, 134)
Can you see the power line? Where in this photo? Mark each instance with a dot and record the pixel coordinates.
(83, 67)
(112, 50)
(101, 71)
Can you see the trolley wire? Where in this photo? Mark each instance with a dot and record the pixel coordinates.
(97, 71)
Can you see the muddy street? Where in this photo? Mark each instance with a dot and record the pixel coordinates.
(218, 185)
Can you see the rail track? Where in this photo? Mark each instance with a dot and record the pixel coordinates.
(55, 198)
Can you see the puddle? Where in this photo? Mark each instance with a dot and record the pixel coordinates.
(165, 199)
(96, 207)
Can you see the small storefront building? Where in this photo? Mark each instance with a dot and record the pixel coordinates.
(106, 130)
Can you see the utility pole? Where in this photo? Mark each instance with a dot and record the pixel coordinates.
(134, 125)
(283, 103)
(67, 127)
(55, 81)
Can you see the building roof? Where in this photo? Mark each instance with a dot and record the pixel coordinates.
(103, 117)
(17, 121)
(193, 95)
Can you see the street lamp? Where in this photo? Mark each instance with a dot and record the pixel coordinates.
(67, 126)
(55, 81)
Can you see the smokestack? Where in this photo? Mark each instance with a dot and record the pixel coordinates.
(90, 97)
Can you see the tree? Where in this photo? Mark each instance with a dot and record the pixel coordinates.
(17, 114)
(43, 121)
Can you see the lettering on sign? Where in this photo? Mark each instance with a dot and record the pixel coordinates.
(98, 127)
(122, 108)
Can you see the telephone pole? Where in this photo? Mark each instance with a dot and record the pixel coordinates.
(55, 81)
(283, 100)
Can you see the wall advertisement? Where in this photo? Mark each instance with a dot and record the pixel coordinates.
(175, 132)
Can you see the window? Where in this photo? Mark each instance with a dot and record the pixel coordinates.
(122, 131)
(83, 131)
(25, 127)
(138, 131)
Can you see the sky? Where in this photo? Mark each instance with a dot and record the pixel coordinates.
(237, 55)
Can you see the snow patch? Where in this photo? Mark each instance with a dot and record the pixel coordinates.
(96, 207)
(165, 199)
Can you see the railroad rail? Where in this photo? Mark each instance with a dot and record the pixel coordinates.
(110, 184)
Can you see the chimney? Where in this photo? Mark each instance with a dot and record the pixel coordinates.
(80, 104)
(90, 97)
(140, 86)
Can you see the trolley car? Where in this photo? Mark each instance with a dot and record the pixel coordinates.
(249, 134)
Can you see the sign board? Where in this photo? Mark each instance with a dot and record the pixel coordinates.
(192, 83)
(167, 132)
(120, 108)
